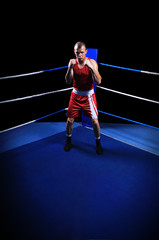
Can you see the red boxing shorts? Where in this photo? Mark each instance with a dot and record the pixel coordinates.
(83, 100)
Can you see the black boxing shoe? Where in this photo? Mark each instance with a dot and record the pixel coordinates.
(67, 146)
(99, 149)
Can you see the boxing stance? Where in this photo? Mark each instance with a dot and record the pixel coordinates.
(82, 71)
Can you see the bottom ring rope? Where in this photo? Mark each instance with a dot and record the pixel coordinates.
(33, 121)
(65, 109)
(113, 115)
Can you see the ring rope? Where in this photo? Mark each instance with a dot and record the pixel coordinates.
(32, 73)
(127, 119)
(36, 95)
(65, 109)
(129, 69)
(128, 95)
(42, 94)
(66, 89)
(53, 69)
(33, 121)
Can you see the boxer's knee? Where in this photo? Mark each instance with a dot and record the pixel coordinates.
(70, 120)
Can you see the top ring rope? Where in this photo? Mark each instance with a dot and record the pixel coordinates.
(130, 69)
(53, 69)
(32, 73)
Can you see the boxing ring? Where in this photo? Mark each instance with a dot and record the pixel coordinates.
(47, 193)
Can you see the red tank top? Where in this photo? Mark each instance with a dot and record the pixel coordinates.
(82, 78)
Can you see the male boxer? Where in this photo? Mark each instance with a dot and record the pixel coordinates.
(82, 71)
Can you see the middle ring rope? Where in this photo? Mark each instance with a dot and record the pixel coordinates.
(36, 95)
(66, 89)
(128, 95)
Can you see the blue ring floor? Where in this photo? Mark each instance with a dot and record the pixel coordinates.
(47, 193)
(136, 135)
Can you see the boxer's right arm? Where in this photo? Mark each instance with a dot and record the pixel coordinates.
(69, 74)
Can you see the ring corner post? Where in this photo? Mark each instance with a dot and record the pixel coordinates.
(93, 54)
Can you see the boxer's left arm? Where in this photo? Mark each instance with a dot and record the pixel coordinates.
(94, 70)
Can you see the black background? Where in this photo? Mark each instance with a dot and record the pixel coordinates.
(41, 37)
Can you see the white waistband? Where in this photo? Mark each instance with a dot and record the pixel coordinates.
(83, 93)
